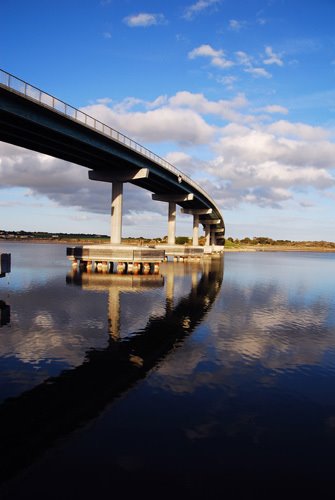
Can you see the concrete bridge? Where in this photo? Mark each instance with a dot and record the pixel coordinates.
(36, 120)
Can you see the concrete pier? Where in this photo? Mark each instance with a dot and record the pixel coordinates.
(195, 230)
(116, 212)
(123, 259)
(172, 223)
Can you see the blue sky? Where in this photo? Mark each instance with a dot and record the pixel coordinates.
(237, 94)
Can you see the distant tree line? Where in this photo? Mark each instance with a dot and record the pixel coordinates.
(265, 240)
(46, 235)
(180, 240)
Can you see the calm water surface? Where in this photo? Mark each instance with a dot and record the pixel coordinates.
(209, 380)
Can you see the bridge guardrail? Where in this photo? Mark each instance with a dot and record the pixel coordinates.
(21, 87)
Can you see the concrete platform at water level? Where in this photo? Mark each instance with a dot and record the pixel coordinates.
(134, 258)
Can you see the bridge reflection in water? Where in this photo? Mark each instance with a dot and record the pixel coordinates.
(4, 313)
(32, 422)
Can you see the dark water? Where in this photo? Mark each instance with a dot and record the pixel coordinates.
(209, 380)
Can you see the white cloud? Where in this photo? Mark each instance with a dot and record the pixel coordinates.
(275, 108)
(299, 130)
(228, 81)
(157, 125)
(126, 104)
(226, 109)
(254, 163)
(248, 62)
(247, 161)
(183, 161)
(198, 7)
(132, 102)
(243, 58)
(259, 144)
(104, 100)
(235, 25)
(217, 56)
(158, 102)
(144, 19)
(261, 165)
(178, 158)
(205, 50)
(63, 183)
(272, 57)
(258, 72)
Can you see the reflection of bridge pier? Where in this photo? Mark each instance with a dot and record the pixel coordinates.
(171, 271)
(169, 274)
(4, 313)
(114, 312)
(115, 285)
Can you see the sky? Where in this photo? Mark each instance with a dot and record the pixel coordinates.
(237, 94)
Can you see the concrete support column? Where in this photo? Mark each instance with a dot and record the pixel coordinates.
(213, 238)
(207, 234)
(172, 223)
(195, 230)
(116, 212)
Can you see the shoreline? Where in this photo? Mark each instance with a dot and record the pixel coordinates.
(286, 249)
(298, 247)
(244, 248)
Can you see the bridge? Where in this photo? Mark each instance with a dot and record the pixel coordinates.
(36, 120)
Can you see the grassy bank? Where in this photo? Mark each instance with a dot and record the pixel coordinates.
(279, 246)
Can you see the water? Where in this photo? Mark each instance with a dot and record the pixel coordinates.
(211, 380)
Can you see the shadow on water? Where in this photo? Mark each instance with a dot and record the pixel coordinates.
(4, 313)
(32, 422)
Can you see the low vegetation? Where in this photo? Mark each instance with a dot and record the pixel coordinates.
(260, 243)
(264, 243)
(83, 237)
(45, 236)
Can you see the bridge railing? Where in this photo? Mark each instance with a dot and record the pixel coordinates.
(20, 86)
